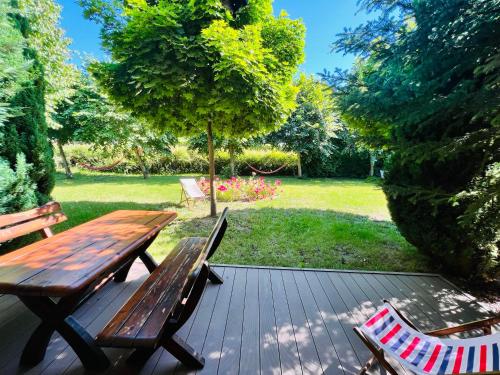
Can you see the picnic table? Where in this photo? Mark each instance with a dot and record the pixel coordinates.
(53, 276)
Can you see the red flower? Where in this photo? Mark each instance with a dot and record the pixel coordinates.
(222, 188)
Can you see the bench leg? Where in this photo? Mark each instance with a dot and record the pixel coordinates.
(55, 317)
(215, 278)
(183, 352)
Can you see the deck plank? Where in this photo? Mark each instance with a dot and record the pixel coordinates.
(250, 342)
(212, 348)
(260, 321)
(270, 363)
(309, 358)
(231, 346)
(289, 354)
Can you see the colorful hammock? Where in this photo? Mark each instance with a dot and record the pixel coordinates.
(424, 354)
(258, 171)
(100, 169)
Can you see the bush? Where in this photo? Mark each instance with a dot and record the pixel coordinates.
(182, 161)
(26, 133)
(17, 191)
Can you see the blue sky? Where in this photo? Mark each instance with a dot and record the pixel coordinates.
(323, 19)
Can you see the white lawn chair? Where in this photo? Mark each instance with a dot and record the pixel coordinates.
(191, 191)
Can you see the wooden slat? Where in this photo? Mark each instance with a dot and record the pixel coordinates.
(80, 254)
(212, 348)
(19, 217)
(31, 226)
(322, 304)
(230, 353)
(196, 333)
(340, 334)
(251, 321)
(309, 358)
(327, 352)
(79, 235)
(141, 321)
(269, 351)
(289, 355)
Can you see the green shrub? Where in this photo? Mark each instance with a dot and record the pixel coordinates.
(26, 132)
(182, 161)
(17, 191)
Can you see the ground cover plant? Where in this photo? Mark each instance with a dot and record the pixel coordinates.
(320, 223)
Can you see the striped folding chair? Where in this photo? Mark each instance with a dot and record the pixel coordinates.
(389, 332)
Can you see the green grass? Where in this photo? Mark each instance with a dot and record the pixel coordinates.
(318, 223)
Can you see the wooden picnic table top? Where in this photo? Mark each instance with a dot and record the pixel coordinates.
(69, 261)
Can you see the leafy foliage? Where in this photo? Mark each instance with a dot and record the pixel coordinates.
(17, 191)
(427, 89)
(310, 127)
(90, 117)
(26, 133)
(13, 65)
(47, 39)
(191, 66)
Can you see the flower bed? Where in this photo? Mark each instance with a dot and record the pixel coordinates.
(241, 189)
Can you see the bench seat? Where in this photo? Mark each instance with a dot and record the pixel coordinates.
(141, 322)
(165, 301)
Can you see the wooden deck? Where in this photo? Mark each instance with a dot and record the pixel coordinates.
(260, 321)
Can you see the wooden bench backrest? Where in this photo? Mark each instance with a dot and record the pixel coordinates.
(191, 188)
(217, 234)
(38, 219)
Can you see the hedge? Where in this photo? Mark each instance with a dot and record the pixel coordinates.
(181, 160)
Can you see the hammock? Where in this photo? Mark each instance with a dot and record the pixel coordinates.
(100, 169)
(266, 172)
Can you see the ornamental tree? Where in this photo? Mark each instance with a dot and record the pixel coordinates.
(89, 116)
(199, 66)
(426, 88)
(310, 127)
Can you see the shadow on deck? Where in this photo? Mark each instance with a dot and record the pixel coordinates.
(260, 321)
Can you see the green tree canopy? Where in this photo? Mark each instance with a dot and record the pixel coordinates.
(427, 88)
(48, 40)
(310, 127)
(89, 116)
(194, 66)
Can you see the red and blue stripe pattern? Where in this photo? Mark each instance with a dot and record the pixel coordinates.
(429, 355)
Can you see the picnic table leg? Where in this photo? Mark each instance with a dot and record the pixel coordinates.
(55, 317)
(147, 259)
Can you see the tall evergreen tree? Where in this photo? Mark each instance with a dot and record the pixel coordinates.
(26, 133)
(427, 87)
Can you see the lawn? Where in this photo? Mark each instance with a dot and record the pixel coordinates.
(315, 223)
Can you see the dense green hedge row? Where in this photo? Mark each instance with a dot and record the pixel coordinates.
(182, 160)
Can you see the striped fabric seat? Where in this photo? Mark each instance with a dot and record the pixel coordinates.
(425, 354)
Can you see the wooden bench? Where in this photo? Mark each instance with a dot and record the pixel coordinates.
(55, 275)
(39, 219)
(166, 300)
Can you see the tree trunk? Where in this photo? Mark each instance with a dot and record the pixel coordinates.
(299, 165)
(142, 164)
(64, 160)
(211, 169)
(373, 160)
(231, 161)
